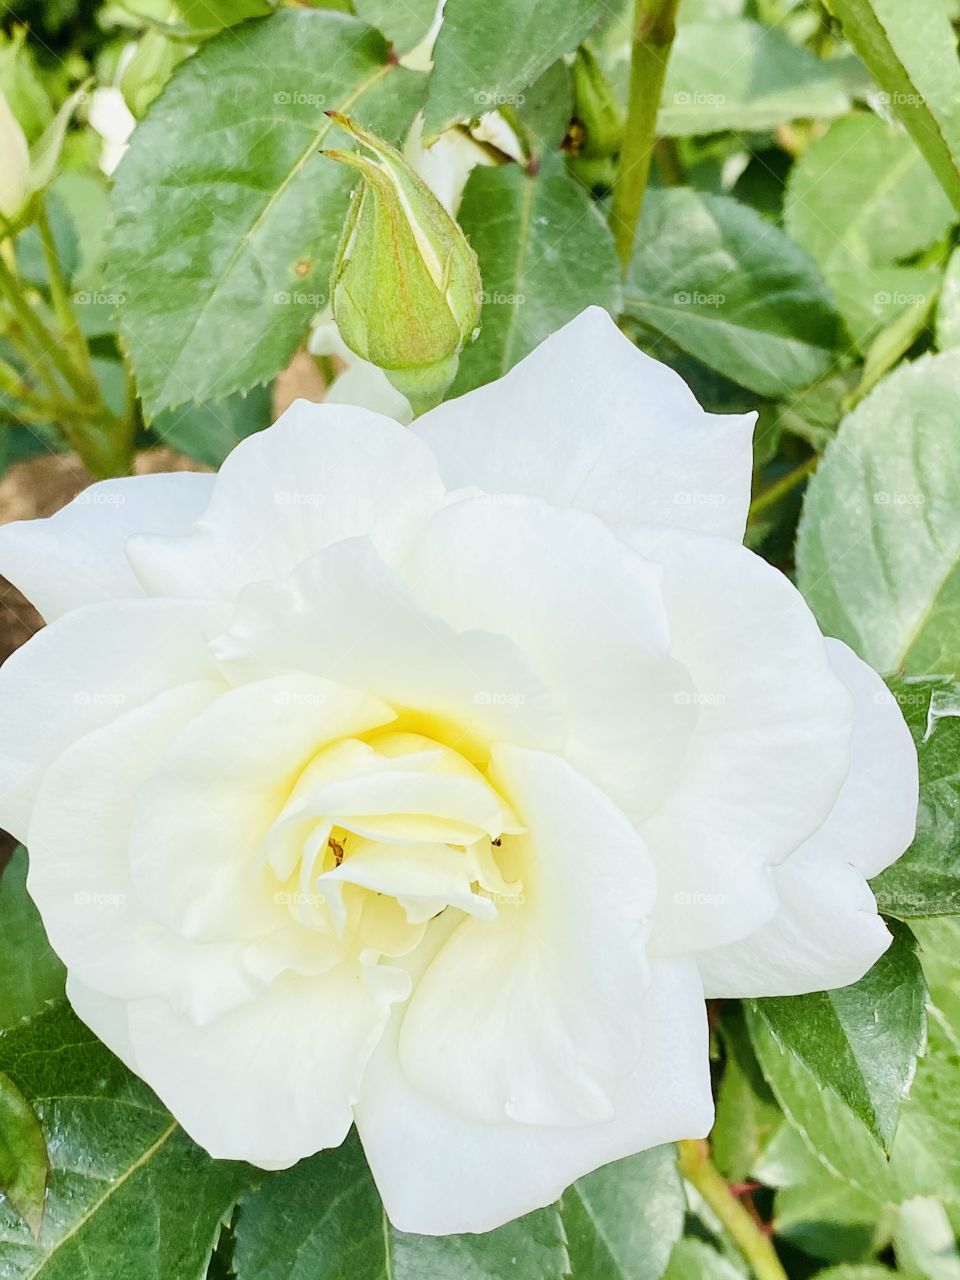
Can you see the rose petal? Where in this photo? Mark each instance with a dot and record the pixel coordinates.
(83, 671)
(527, 1016)
(320, 474)
(826, 932)
(77, 556)
(587, 420)
(439, 1172)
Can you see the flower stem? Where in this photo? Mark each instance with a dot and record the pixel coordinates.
(780, 488)
(743, 1229)
(653, 31)
(60, 297)
(45, 344)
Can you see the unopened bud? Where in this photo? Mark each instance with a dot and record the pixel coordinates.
(405, 288)
(14, 164)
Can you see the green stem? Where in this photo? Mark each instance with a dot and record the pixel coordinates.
(743, 1229)
(60, 297)
(653, 31)
(783, 486)
(46, 345)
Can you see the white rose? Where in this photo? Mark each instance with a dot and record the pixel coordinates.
(429, 777)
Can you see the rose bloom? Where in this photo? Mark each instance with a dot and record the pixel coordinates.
(429, 778)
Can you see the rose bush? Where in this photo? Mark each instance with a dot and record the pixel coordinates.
(431, 777)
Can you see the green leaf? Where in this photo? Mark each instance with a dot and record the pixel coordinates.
(729, 288)
(863, 196)
(828, 1219)
(23, 1155)
(545, 254)
(30, 973)
(208, 432)
(830, 1130)
(879, 541)
(206, 14)
(404, 25)
(948, 308)
(622, 1221)
(740, 75)
(747, 1115)
(924, 1243)
(925, 881)
(926, 1154)
(129, 1194)
(861, 1041)
(911, 51)
(323, 1220)
(874, 298)
(694, 1260)
(227, 217)
(487, 54)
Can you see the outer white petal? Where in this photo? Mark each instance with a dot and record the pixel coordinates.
(347, 615)
(827, 932)
(588, 614)
(275, 1079)
(770, 750)
(320, 474)
(83, 671)
(77, 556)
(549, 1029)
(587, 420)
(438, 1172)
(80, 874)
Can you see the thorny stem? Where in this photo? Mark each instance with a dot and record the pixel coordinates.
(743, 1229)
(653, 31)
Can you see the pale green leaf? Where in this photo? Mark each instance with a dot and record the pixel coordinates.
(30, 973)
(912, 52)
(728, 287)
(863, 196)
(740, 75)
(545, 254)
(23, 1155)
(879, 544)
(622, 1221)
(487, 54)
(404, 22)
(925, 881)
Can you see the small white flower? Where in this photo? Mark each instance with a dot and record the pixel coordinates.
(437, 798)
